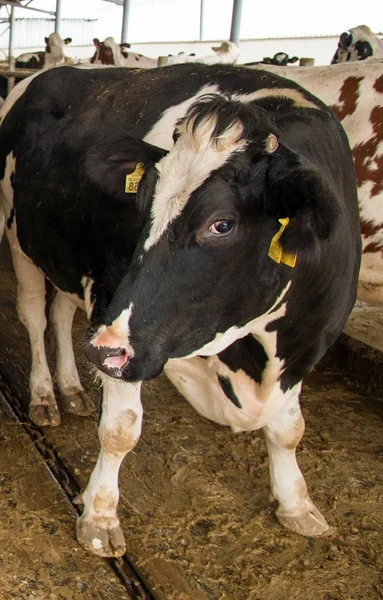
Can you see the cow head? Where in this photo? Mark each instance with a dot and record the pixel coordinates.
(280, 59)
(210, 209)
(54, 49)
(358, 43)
(228, 51)
(123, 47)
(109, 52)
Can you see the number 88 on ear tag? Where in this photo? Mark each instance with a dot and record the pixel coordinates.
(133, 179)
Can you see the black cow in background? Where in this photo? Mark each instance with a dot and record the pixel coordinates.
(280, 59)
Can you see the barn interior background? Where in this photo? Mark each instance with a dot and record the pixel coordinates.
(161, 27)
(198, 527)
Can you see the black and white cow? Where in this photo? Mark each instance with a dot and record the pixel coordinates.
(358, 43)
(280, 59)
(206, 218)
(110, 53)
(51, 56)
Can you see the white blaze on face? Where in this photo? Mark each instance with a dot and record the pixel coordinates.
(191, 161)
(161, 134)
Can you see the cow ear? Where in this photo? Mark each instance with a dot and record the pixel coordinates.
(96, 42)
(46, 40)
(117, 168)
(67, 40)
(303, 195)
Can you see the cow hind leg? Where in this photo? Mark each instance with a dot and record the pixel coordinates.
(74, 398)
(98, 528)
(296, 510)
(30, 306)
(195, 379)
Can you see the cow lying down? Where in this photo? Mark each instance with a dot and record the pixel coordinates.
(206, 219)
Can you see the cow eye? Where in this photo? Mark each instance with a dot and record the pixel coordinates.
(221, 227)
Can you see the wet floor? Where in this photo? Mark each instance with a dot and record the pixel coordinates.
(194, 503)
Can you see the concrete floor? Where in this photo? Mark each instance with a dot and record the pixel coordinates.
(194, 501)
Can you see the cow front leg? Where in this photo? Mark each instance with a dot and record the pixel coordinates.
(98, 528)
(296, 510)
(30, 306)
(74, 398)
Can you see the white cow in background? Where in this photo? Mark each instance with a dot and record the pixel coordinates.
(227, 52)
(358, 43)
(52, 55)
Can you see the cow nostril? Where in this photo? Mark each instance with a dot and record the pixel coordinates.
(117, 361)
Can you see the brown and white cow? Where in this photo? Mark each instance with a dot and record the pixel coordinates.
(358, 43)
(110, 53)
(354, 92)
(51, 56)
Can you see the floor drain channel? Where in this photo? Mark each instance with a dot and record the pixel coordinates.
(133, 582)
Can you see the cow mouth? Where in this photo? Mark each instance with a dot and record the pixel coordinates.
(108, 360)
(119, 363)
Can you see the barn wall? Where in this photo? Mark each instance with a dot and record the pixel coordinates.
(29, 34)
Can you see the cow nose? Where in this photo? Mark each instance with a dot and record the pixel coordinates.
(109, 360)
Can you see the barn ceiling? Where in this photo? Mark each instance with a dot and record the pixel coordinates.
(19, 3)
(24, 4)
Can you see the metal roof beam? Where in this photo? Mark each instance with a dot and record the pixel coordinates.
(236, 22)
(18, 5)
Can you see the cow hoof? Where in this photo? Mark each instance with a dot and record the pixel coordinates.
(80, 404)
(310, 524)
(44, 415)
(102, 542)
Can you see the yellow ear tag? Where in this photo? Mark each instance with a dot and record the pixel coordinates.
(276, 252)
(133, 179)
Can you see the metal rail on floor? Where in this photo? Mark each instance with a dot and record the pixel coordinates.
(134, 582)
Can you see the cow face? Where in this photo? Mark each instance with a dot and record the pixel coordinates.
(210, 208)
(54, 49)
(108, 52)
(104, 53)
(356, 44)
